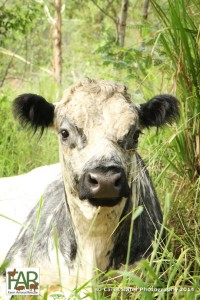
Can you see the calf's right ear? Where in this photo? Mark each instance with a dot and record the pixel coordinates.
(33, 110)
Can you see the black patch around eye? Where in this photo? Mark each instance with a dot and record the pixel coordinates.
(121, 143)
(130, 140)
(136, 135)
(82, 134)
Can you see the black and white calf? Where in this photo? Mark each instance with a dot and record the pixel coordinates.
(103, 180)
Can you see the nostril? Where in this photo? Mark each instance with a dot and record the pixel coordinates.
(117, 180)
(92, 180)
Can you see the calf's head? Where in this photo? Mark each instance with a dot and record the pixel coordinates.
(98, 127)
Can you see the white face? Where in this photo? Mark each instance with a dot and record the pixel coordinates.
(97, 126)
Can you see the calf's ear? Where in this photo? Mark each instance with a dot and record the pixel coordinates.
(159, 110)
(33, 110)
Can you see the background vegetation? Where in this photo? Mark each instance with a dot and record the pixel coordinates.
(160, 55)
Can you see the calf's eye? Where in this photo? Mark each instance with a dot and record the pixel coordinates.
(64, 133)
(136, 134)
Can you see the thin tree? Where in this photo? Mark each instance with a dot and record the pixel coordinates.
(122, 22)
(113, 16)
(145, 9)
(56, 23)
(57, 41)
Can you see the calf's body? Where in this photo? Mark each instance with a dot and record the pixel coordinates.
(102, 245)
(84, 223)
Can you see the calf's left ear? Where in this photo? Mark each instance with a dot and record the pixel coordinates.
(159, 110)
(33, 110)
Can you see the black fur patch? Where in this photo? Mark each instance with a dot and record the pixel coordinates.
(55, 209)
(33, 110)
(159, 110)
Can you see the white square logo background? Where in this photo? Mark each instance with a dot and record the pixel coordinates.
(22, 281)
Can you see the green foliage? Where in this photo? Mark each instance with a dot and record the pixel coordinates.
(179, 39)
(18, 19)
(136, 61)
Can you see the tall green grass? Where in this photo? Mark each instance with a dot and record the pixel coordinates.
(179, 37)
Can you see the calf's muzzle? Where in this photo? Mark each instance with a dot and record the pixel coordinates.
(103, 186)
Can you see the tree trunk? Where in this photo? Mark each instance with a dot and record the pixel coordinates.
(57, 40)
(122, 22)
(145, 9)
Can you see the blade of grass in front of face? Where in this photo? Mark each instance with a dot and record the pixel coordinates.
(36, 230)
